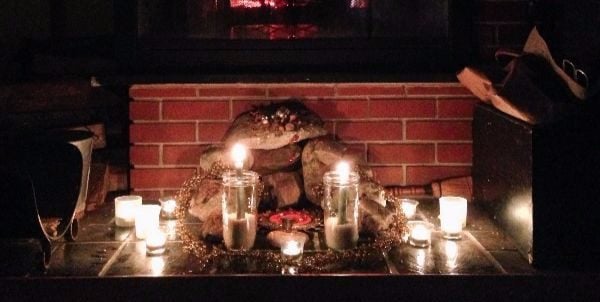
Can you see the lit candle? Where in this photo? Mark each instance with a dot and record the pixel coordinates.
(451, 227)
(409, 207)
(454, 206)
(125, 209)
(168, 206)
(155, 241)
(453, 216)
(146, 218)
(343, 170)
(238, 154)
(292, 250)
(420, 233)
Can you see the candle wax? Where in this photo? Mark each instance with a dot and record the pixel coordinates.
(239, 234)
(340, 236)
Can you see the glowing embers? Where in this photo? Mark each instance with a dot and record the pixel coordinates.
(273, 3)
(274, 31)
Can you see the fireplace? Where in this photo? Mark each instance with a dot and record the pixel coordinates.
(299, 35)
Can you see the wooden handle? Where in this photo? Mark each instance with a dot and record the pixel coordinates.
(456, 186)
(404, 191)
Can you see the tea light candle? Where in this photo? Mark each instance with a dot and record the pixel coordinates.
(292, 250)
(454, 206)
(168, 206)
(420, 233)
(409, 207)
(155, 242)
(125, 209)
(146, 218)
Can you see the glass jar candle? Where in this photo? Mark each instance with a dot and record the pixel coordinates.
(239, 203)
(340, 201)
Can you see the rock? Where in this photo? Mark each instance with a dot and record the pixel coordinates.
(373, 217)
(212, 226)
(321, 155)
(274, 126)
(207, 200)
(285, 187)
(214, 154)
(275, 160)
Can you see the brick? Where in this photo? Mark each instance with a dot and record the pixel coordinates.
(144, 155)
(438, 130)
(182, 154)
(212, 132)
(369, 131)
(162, 132)
(239, 106)
(330, 127)
(513, 34)
(501, 11)
(196, 110)
(301, 90)
(339, 108)
(370, 89)
(159, 178)
(420, 175)
(144, 110)
(161, 91)
(357, 150)
(460, 108)
(455, 153)
(389, 175)
(401, 153)
(230, 90)
(148, 194)
(399, 108)
(431, 90)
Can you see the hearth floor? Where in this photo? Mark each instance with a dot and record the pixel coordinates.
(102, 249)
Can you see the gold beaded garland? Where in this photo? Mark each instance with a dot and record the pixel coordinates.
(327, 261)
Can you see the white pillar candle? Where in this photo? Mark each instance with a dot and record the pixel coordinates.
(156, 240)
(455, 207)
(420, 233)
(146, 218)
(125, 209)
(409, 207)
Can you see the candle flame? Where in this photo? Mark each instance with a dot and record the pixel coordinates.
(238, 154)
(343, 170)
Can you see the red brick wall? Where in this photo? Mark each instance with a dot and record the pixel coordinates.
(410, 133)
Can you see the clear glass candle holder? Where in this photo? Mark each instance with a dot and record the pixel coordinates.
(451, 227)
(454, 206)
(156, 241)
(409, 207)
(419, 233)
(146, 219)
(239, 203)
(341, 210)
(168, 206)
(291, 251)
